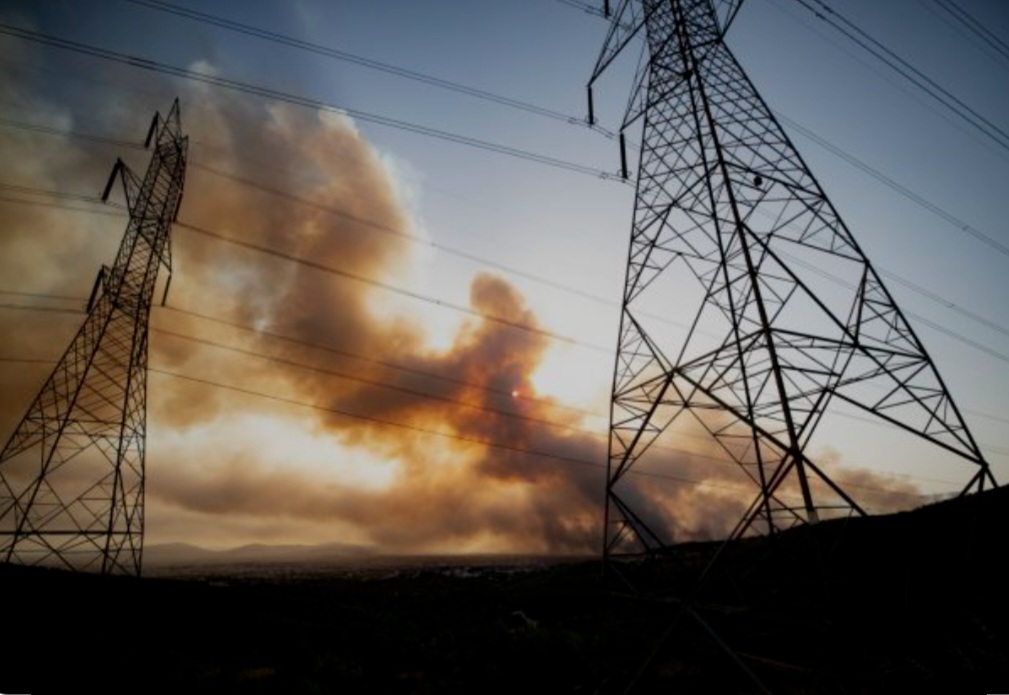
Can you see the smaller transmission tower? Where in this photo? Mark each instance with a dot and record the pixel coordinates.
(72, 473)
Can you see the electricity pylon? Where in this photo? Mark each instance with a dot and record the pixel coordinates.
(724, 198)
(72, 473)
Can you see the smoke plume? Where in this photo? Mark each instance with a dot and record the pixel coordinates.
(303, 400)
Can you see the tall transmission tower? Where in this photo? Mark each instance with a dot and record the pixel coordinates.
(728, 215)
(72, 473)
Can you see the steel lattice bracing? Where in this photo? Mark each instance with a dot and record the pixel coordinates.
(724, 198)
(72, 474)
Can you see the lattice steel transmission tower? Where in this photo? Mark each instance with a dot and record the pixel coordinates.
(72, 474)
(724, 199)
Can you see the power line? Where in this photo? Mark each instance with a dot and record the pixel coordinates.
(308, 102)
(474, 440)
(452, 401)
(399, 367)
(518, 325)
(347, 274)
(421, 394)
(909, 72)
(490, 443)
(519, 273)
(402, 234)
(318, 49)
(303, 201)
(367, 418)
(390, 287)
(837, 151)
(526, 327)
(308, 344)
(370, 359)
(392, 365)
(584, 7)
(889, 182)
(37, 307)
(975, 27)
(917, 317)
(40, 295)
(53, 309)
(58, 206)
(28, 360)
(28, 190)
(440, 433)
(49, 130)
(907, 283)
(989, 448)
(424, 394)
(566, 288)
(374, 382)
(878, 175)
(385, 228)
(944, 302)
(511, 270)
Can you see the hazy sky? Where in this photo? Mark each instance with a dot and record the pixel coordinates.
(444, 233)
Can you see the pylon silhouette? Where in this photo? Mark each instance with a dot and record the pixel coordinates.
(724, 198)
(72, 473)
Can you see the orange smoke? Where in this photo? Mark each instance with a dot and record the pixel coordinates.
(340, 444)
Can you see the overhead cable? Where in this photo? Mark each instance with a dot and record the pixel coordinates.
(980, 123)
(907, 283)
(318, 49)
(307, 102)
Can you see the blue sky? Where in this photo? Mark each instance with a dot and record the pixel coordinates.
(549, 223)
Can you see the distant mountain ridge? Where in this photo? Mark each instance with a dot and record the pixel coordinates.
(169, 554)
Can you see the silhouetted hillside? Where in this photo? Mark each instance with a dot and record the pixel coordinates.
(913, 602)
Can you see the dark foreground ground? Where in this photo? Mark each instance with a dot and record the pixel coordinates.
(915, 602)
